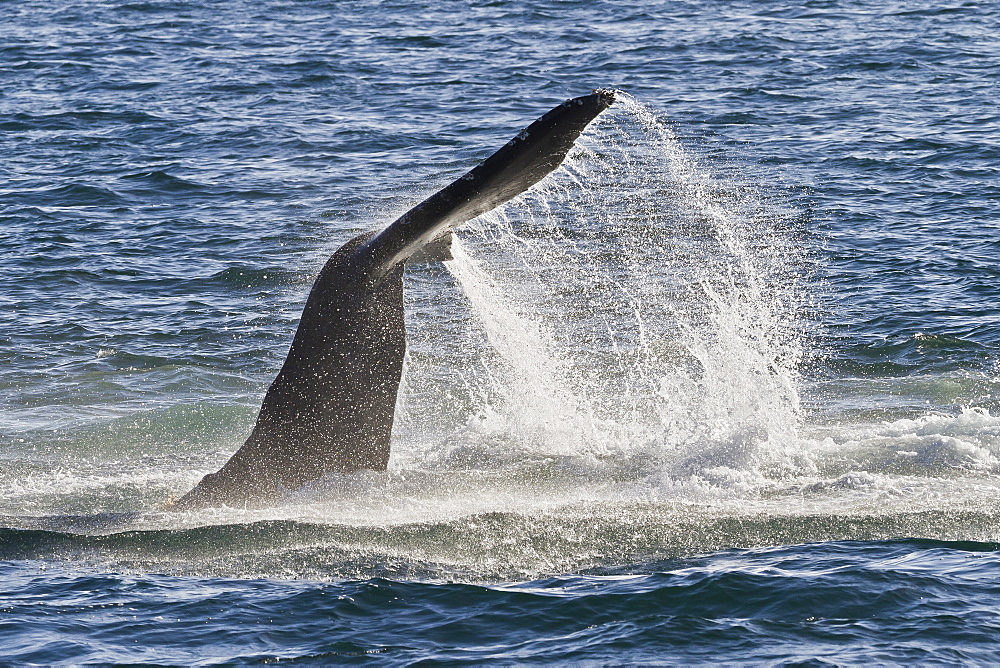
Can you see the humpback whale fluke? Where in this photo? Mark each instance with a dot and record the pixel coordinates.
(330, 409)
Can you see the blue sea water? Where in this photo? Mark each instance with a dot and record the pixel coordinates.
(724, 388)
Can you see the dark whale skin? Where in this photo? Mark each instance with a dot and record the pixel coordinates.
(331, 407)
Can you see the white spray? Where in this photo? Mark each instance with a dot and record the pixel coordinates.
(635, 306)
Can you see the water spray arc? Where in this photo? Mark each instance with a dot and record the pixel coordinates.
(635, 304)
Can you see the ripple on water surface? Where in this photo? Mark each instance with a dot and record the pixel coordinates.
(883, 601)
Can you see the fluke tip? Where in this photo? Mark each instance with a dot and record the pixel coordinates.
(607, 95)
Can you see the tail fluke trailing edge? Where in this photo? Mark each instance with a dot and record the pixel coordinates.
(524, 161)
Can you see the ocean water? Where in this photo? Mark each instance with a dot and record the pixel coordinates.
(725, 387)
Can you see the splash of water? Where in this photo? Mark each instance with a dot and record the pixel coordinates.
(532, 389)
(638, 306)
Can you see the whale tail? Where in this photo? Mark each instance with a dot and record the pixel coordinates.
(330, 408)
(525, 160)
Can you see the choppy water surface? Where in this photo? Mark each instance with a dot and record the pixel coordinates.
(724, 387)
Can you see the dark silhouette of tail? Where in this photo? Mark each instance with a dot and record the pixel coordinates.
(331, 407)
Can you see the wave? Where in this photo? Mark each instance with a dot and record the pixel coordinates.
(311, 541)
(897, 601)
(70, 195)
